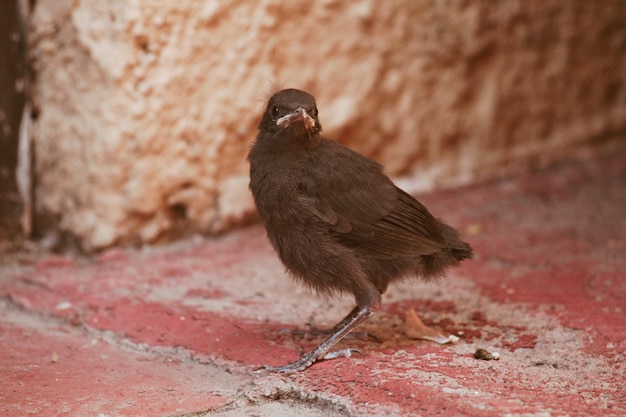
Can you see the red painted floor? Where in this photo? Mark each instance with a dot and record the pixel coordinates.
(179, 330)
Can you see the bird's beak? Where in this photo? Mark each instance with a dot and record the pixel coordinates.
(298, 115)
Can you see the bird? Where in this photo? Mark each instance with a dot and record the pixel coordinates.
(338, 223)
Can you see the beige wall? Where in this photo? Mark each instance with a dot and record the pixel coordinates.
(146, 109)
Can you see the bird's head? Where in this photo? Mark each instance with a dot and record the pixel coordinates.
(291, 109)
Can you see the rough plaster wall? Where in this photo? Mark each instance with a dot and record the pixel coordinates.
(146, 109)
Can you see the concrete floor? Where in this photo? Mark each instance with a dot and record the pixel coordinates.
(179, 330)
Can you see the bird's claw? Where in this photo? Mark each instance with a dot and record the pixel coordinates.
(342, 353)
(297, 366)
(309, 359)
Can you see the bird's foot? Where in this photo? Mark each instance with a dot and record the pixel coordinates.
(322, 352)
(309, 359)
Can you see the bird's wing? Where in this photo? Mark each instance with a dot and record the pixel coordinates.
(366, 211)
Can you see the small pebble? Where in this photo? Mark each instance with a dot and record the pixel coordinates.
(486, 355)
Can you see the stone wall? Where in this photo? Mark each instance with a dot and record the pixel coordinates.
(145, 109)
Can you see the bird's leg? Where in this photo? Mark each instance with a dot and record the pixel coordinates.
(322, 352)
(346, 319)
(314, 331)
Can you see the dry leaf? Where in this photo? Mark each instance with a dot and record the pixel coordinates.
(473, 229)
(414, 328)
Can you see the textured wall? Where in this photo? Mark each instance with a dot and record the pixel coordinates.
(146, 109)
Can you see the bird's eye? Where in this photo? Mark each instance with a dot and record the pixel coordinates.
(314, 112)
(275, 111)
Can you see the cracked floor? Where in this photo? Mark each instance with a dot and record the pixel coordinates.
(178, 330)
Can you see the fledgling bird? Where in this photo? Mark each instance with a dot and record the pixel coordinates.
(337, 222)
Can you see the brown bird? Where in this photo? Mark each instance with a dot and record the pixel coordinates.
(337, 222)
